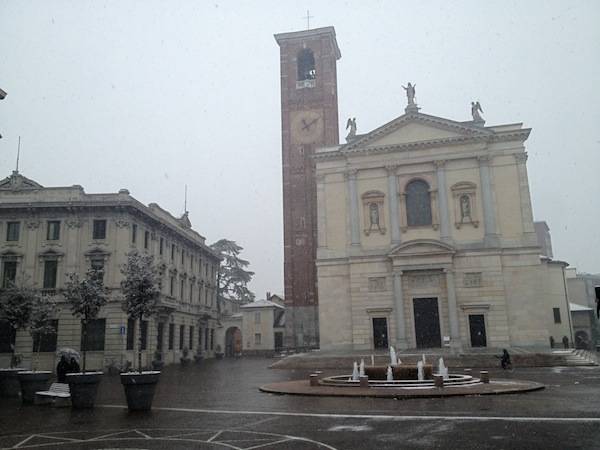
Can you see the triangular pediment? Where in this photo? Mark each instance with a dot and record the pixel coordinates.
(17, 181)
(417, 127)
(422, 247)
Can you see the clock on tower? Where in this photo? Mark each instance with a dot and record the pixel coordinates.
(309, 119)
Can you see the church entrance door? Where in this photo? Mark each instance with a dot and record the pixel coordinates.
(477, 328)
(427, 323)
(380, 332)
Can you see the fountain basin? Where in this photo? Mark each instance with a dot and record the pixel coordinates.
(453, 380)
(400, 372)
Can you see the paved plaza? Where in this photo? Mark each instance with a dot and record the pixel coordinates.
(218, 405)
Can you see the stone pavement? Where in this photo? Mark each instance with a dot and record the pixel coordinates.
(218, 405)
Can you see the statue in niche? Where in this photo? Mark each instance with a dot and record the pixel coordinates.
(475, 110)
(465, 208)
(374, 216)
(352, 125)
(410, 93)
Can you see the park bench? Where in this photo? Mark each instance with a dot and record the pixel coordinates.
(58, 395)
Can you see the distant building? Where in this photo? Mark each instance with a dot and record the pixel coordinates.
(255, 328)
(47, 232)
(543, 237)
(582, 294)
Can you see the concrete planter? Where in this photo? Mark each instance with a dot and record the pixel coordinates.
(9, 382)
(31, 382)
(219, 355)
(139, 389)
(83, 388)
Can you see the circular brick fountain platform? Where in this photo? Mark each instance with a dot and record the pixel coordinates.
(455, 385)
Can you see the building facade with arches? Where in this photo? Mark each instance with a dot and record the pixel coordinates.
(426, 239)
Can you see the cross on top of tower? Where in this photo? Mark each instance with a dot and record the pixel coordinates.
(307, 18)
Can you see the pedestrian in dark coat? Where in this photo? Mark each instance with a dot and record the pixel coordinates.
(74, 366)
(61, 369)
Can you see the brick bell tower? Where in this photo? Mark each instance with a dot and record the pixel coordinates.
(309, 119)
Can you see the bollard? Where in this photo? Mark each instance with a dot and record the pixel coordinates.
(439, 381)
(484, 376)
(364, 381)
(314, 379)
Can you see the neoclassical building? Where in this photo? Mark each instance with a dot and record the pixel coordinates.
(47, 232)
(426, 238)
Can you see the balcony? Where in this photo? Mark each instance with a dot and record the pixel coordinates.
(304, 84)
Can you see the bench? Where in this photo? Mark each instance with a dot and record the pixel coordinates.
(58, 395)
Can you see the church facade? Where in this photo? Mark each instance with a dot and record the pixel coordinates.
(426, 239)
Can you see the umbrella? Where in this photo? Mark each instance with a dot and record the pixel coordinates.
(68, 353)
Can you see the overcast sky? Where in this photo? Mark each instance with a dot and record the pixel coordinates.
(151, 95)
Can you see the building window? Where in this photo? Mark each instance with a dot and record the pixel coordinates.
(212, 338)
(182, 290)
(200, 331)
(182, 257)
(98, 265)
(9, 274)
(7, 337)
(172, 252)
(206, 333)
(556, 312)
(257, 317)
(418, 203)
(191, 292)
(12, 231)
(130, 334)
(191, 338)
(99, 229)
(181, 336)
(161, 246)
(53, 230)
(46, 342)
(171, 336)
(50, 268)
(95, 332)
(306, 65)
(171, 286)
(146, 239)
(257, 338)
(133, 233)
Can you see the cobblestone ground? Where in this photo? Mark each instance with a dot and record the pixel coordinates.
(218, 405)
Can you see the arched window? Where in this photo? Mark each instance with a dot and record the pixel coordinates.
(306, 65)
(418, 203)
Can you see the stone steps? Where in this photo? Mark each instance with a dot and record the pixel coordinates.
(479, 360)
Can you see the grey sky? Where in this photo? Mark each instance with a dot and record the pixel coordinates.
(151, 95)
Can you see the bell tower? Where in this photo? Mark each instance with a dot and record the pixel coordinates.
(309, 119)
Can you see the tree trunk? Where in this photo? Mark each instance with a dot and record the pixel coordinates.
(140, 348)
(34, 363)
(84, 330)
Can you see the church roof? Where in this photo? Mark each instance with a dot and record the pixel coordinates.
(415, 130)
(261, 304)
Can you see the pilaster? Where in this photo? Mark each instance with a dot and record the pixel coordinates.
(399, 311)
(443, 201)
(393, 200)
(487, 197)
(354, 211)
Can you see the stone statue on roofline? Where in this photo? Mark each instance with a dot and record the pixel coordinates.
(352, 125)
(410, 93)
(475, 110)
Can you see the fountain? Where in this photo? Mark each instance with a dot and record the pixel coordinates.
(390, 374)
(355, 372)
(361, 371)
(442, 369)
(420, 375)
(423, 359)
(393, 358)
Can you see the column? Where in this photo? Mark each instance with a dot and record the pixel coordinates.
(443, 201)
(354, 212)
(399, 311)
(455, 340)
(321, 212)
(526, 212)
(487, 197)
(393, 200)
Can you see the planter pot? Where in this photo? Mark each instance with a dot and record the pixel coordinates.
(83, 388)
(157, 365)
(139, 389)
(198, 359)
(9, 382)
(219, 355)
(185, 361)
(31, 382)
